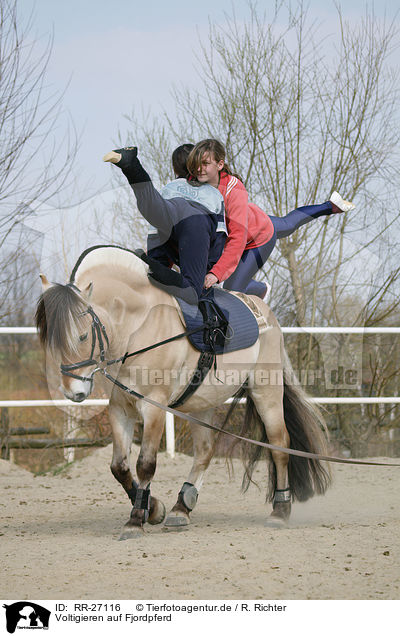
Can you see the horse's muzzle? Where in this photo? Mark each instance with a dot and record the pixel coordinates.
(78, 390)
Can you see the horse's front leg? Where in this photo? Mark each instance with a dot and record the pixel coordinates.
(203, 450)
(146, 508)
(122, 419)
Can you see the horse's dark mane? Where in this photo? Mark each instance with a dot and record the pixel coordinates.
(59, 309)
(58, 315)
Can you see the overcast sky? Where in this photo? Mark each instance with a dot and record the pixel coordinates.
(128, 53)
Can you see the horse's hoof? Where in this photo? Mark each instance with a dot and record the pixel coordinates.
(131, 532)
(158, 514)
(279, 517)
(174, 530)
(177, 520)
(276, 522)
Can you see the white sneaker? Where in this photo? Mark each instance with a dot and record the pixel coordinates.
(339, 202)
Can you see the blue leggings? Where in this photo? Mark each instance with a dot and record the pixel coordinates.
(253, 259)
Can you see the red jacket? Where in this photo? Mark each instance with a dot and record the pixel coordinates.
(248, 226)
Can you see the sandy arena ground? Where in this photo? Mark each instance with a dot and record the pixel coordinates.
(59, 538)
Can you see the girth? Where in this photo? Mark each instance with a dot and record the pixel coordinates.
(204, 364)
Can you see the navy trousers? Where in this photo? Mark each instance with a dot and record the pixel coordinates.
(188, 231)
(253, 259)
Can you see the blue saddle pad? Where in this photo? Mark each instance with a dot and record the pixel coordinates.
(242, 331)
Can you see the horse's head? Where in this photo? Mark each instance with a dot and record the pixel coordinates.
(67, 329)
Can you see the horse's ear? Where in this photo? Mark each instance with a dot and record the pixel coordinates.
(45, 282)
(87, 292)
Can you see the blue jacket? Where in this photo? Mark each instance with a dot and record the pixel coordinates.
(194, 237)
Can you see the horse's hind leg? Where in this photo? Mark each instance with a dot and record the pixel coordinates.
(268, 401)
(203, 449)
(122, 421)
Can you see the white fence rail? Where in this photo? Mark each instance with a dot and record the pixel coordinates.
(169, 422)
(360, 330)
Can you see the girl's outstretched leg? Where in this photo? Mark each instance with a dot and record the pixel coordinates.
(157, 211)
(286, 225)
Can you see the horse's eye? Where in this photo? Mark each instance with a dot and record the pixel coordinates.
(83, 337)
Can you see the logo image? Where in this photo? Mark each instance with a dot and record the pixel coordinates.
(26, 615)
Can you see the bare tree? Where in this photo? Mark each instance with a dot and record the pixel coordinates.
(300, 115)
(33, 161)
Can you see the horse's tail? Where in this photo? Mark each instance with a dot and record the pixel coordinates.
(307, 431)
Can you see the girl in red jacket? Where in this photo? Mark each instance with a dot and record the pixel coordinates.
(252, 233)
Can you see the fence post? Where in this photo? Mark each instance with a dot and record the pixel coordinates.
(69, 433)
(170, 434)
(4, 433)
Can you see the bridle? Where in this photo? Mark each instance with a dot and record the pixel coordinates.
(99, 335)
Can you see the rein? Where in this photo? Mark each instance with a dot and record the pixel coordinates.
(99, 331)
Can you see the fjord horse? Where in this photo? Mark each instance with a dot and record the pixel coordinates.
(108, 308)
